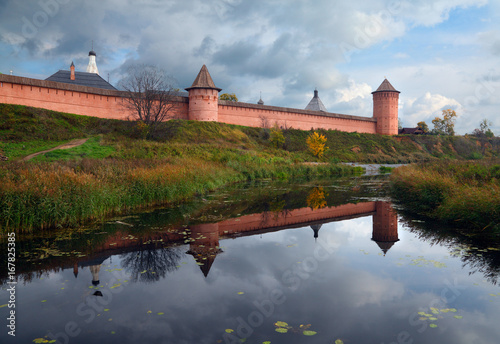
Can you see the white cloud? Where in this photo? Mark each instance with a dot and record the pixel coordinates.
(354, 90)
(430, 12)
(426, 108)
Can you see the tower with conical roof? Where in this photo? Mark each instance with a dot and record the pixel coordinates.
(203, 98)
(385, 108)
(92, 66)
(316, 104)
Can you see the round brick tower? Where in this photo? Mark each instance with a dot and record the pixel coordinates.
(385, 108)
(203, 98)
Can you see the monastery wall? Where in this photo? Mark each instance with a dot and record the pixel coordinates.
(254, 115)
(96, 102)
(80, 100)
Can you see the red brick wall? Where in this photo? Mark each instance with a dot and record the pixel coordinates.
(96, 102)
(75, 99)
(254, 115)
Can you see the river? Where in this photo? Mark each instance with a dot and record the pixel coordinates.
(330, 261)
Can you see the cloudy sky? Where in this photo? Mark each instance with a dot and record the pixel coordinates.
(439, 53)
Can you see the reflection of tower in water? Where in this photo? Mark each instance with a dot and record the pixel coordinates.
(94, 270)
(316, 229)
(204, 246)
(385, 226)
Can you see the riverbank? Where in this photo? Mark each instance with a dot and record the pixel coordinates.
(116, 170)
(123, 165)
(463, 193)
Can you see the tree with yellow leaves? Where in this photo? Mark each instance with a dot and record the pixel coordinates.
(446, 125)
(317, 144)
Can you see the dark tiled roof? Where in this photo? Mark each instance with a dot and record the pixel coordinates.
(203, 80)
(416, 130)
(82, 79)
(386, 86)
(316, 104)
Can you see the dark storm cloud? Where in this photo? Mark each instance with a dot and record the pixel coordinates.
(284, 47)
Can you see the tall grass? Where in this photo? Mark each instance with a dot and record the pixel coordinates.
(69, 193)
(463, 193)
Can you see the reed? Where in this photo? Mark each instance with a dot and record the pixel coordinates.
(44, 195)
(462, 193)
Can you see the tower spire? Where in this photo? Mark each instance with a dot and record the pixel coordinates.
(92, 67)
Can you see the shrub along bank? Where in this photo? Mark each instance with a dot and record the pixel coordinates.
(462, 193)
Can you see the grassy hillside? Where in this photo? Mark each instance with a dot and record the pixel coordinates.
(24, 130)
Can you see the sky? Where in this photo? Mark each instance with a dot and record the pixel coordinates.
(440, 54)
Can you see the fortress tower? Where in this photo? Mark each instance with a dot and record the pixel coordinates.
(385, 108)
(203, 98)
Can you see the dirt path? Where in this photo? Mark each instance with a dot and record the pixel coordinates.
(71, 144)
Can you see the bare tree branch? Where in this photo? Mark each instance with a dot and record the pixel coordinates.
(149, 92)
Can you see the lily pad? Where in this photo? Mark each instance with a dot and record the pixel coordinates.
(458, 317)
(281, 324)
(339, 341)
(281, 330)
(309, 333)
(229, 330)
(433, 325)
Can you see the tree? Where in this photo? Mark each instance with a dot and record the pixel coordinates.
(317, 144)
(422, 125)
(446, 125)
(484, 129)
(228, 96)
(149, 92)
(276, 136)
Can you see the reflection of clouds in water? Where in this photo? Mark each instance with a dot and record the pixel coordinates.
(364, 288)
(355, 229)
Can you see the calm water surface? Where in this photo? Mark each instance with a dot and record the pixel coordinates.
(321, 261)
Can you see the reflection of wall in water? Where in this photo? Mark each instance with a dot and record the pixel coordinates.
(204, 238)
(204, 244)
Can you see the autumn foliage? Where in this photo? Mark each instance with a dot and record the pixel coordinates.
(316, 144)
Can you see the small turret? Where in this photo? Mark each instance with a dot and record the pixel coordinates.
(260, 102)
(72, 69)
(316, 104)
(203, 98)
